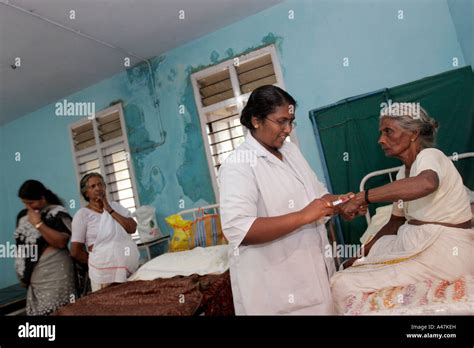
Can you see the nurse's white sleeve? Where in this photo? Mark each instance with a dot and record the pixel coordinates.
(238, 201)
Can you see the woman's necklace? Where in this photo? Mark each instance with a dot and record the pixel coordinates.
(96, 209)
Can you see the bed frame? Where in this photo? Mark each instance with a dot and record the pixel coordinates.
(331, 229)
(215, 209)
(390, 171)
(194, 211)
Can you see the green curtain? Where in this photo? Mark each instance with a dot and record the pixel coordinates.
(347, 133)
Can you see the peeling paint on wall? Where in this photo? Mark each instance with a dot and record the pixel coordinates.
(193, 175)
(214, 57)
(139, 75)
(267, 40)
(172, 75)
(150, 180)
(138, 135)
(230, 52)
(189, 164)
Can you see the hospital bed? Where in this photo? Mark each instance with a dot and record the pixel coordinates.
(197, 282)
(429, 297)
(192, 282)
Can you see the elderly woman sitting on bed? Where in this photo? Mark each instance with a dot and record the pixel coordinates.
(429, 233)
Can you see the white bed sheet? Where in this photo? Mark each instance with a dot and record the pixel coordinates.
(210, 260)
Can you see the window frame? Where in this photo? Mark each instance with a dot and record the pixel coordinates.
(100, 146)
(237, 100)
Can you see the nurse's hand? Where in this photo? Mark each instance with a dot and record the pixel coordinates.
(316, 210)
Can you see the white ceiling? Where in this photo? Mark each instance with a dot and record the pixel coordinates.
(56, 62)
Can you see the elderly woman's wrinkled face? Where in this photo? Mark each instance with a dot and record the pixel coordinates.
(276, 127)
(393, 139)
(95, 188)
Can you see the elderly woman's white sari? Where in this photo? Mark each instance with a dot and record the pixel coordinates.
(417, 252)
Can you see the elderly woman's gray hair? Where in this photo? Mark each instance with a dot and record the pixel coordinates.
(412, 117)
(83, 183)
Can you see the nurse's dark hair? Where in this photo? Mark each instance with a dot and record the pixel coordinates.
(262, 102)
(83, 183)
(34, 190)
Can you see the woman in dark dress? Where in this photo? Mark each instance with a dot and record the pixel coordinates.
(43, 263)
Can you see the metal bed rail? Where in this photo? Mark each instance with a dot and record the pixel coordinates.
(194, 211)
(389, 171)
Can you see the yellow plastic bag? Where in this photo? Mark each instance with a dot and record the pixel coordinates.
(182, 232)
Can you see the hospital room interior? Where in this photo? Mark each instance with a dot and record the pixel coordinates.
(236, 157)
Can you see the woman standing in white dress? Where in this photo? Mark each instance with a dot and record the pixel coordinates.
(104, 228)
(272, 212)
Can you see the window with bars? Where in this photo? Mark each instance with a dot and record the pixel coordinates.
(221, 92)
(224, 133)
(101, 145)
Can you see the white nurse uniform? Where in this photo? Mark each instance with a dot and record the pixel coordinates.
(289, 275)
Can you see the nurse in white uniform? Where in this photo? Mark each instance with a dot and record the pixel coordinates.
(272, 213)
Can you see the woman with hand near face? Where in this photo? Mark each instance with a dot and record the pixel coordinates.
(43, 262)
(87, 228)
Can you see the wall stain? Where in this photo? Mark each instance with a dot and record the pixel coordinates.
(150, 181)
(267, 40)
(214, 57)
(172, 75)
(138, 135)
(230, 52)
(193, 174)
(139, 75)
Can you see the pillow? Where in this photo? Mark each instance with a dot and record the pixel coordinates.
(210, 260)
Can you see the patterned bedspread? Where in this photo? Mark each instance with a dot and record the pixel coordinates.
(191, 295)
(434, 296)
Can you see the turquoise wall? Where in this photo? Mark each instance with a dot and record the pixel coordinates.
(382, 50)
(462, 12)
